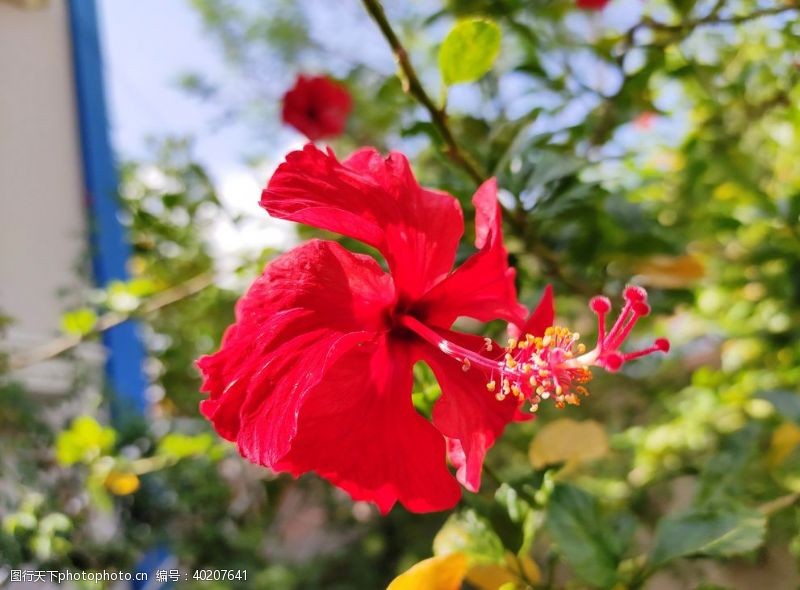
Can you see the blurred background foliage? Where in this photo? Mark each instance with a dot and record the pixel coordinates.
(655, 143)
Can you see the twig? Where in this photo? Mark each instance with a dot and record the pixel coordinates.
(714, 19)
(62, 344)
(414, 87)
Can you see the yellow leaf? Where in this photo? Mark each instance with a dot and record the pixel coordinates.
(568, 441)
(493, 576)
(785, 439)
(435, 573)
(524, 567)
(489, 576)
(121, 484)
(670, 272)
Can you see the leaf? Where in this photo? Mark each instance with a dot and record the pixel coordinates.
(707, 532)
(510, 533)
(785, 439)
(469, 50)
(492, 576)
(84, 441)
(79, 322)
(180, 446)
(669, 272)
(583, 537)
(489, 576)
(568, 441)
(445, 572)
(121, 483)
(523, 567)
(466, 532)
(787, 403)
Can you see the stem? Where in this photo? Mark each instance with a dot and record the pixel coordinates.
(713, 19)
(414, 87)
(463, 160)
(62, 344)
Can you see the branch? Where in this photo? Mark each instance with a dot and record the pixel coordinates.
(413, 86)
(714, 19)
(105, 322)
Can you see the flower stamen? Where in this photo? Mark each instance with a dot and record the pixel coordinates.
(554, 365)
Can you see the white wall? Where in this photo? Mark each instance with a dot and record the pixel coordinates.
(42, 223)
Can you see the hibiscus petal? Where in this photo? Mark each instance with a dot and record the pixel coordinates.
(359, 429)
(375, 200)
(542, 317)
(309, 307)
(483, 287)
(467, 413)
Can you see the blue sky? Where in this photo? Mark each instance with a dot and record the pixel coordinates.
(147, 44)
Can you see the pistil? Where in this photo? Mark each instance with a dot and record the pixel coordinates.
(553, 365)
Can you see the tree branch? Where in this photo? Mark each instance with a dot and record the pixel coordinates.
(62, 344)
(413, 86)
(714, 19)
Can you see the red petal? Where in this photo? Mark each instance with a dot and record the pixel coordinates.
(467, 413)
(375, 200)
(359, 429)
(310, 306)
(542, 317)
(483, 287)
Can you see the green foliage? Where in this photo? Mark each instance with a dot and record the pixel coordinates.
(699, 199)
(84, 441)
(711, 532)
(79, 322)
(469, 51)
(592, 544)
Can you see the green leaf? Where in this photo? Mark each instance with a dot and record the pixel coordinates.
(180, 446)
(79, 322)
(707, 532)
(469, 51)
(787, 403)
(510, 533)
(84, 441)
(466, 532)
(586, 540)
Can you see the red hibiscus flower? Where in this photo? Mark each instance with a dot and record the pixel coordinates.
(316, 373)
(592, 4)
(317, 107)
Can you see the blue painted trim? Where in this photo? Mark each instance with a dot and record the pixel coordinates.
(110, 250)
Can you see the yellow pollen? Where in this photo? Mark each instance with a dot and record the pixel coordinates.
(512, 344)
(510, 362)
(491, 386)
(487, 342)
(466, 366)
(499, 396)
